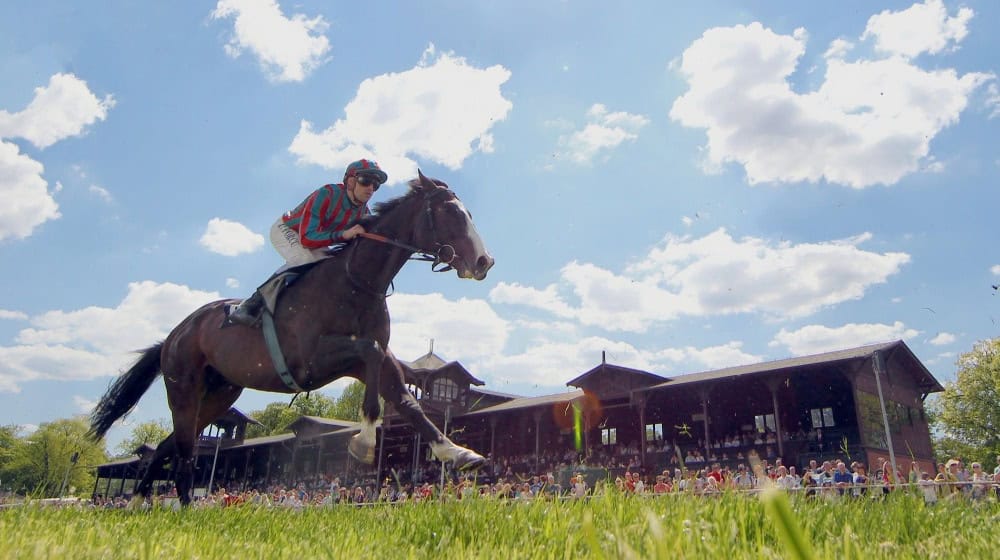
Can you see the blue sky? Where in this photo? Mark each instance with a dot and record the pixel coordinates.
(684, 187)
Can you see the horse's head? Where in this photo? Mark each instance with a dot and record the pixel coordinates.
(449, 230)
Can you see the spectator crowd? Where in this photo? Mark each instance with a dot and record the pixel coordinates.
(555, 478)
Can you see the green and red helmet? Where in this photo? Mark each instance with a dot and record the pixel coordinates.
(366, 167)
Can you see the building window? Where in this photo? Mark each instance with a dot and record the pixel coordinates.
(822, 417)
(764, 422)
(654, 432)
(444, 389)
(609, 436)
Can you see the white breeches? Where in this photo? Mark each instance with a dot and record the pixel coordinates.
(286, 242)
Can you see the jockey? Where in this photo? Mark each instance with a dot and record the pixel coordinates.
(327, 216)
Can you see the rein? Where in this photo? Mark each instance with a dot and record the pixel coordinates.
(444, 255)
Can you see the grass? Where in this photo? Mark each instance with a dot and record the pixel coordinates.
(612, 527)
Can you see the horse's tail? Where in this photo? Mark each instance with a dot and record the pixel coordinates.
(122, 396)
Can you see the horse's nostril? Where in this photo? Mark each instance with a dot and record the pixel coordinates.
(484, 262)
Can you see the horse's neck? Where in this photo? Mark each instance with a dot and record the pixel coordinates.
(374, 263)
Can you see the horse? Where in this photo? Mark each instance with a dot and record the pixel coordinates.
(331, 323)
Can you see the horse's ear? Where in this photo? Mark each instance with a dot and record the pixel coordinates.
(424, 181)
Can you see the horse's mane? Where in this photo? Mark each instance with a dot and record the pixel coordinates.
(386, 207)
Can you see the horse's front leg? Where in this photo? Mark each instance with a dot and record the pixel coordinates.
(362, 445)
(394, 391)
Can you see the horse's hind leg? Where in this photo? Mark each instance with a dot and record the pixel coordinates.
(195, 402)
(395, 392)
(164, 451)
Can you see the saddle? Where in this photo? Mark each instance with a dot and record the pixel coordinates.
(274, 286)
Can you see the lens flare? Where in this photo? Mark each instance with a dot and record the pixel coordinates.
(577, 428)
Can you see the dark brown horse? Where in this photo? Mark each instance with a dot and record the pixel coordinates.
(331, 323)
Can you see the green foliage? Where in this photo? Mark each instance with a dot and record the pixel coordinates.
(8, 446)
(967, 414)
(152, 433)
(348, 405)
(276, 416)
(39, 463)
(274, 419)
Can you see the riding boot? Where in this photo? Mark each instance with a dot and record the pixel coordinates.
(248, 312)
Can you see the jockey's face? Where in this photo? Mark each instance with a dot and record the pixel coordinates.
(360, 192)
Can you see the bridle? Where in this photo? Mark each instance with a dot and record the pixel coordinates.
(444, 254)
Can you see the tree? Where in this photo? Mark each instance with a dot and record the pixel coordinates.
(58, 451)
(152, 432)
(8, 446)
(967, 413)
(276, 416)
(348, 405)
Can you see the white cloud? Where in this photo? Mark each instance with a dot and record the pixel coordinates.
(232, 283)
(61, 110)
(921, 28)
(713, 275)
(547, 363)
(870, 122)
(27, 202)
(992, 101)
(995, 269)
(288, 49)
(815, 339)
(230, 238)
(711, 357)
(838, 48)
(6, 314)
(604, 132)
(101, 193)
(942, 339)
(96, 341)
(83, 404)
(465, 329)
(442, 111)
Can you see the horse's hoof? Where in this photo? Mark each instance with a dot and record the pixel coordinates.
(361, 451)
(467, 460)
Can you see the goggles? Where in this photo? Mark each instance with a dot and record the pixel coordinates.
(368, 181)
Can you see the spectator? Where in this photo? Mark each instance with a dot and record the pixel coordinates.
(784, 481)
(860, 479)
(842, 480)
(928, 488)
(980, 482)
(661, 486)
(948, 479)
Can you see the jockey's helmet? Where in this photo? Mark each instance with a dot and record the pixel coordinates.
(366, 167)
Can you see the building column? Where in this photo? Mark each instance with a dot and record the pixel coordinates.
(537, 415)
(703, 394)
(381, 452)
(246, 468)
(773, 384)
(639, 401)
(267, 475)
(493, 440)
